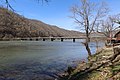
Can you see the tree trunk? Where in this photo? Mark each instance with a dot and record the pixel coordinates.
(87, 43)
(87, 48)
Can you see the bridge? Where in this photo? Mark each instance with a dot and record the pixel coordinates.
(48, 38)
(42, 39)
(52, 38)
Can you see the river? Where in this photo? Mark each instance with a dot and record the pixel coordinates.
(27, 60)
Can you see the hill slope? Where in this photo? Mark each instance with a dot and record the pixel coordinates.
(15, 25)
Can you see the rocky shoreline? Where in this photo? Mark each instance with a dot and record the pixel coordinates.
(104, 65)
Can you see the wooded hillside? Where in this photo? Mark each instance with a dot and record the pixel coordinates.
(13, 25)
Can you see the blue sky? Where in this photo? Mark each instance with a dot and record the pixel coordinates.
(56, 12)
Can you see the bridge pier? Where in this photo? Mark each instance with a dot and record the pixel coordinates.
(52, 39)
(30, 39)
(36, 39)
(43, 39)
(73, 39)
(61, 39)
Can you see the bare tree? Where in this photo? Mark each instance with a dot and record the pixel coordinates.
(86, 15)
(107, 26)
(110, 25)
(116, 18)
(12, 24)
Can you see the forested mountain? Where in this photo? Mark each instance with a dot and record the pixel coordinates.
(14, 25)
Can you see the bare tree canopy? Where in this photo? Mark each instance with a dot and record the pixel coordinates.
(86, 15)
(116, 18)
(110, 25)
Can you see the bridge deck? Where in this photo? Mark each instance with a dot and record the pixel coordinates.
(45, 38)
(55, 38)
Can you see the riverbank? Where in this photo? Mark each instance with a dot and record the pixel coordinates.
(104, 65)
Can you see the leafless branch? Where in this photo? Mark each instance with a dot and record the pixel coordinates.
(86, 15)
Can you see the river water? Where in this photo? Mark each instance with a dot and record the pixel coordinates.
(32, 60)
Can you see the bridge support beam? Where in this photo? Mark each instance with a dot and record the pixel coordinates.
(43, 39)
(30, 39)
(36, 39)
(52, 39)
(61, 39)
(73, 39)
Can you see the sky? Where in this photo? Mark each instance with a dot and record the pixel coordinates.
(56, 12)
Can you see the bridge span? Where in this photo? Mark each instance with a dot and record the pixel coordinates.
(42, 39)
(52, 38)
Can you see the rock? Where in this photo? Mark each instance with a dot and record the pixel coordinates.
(100, 64)
(69, 70)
